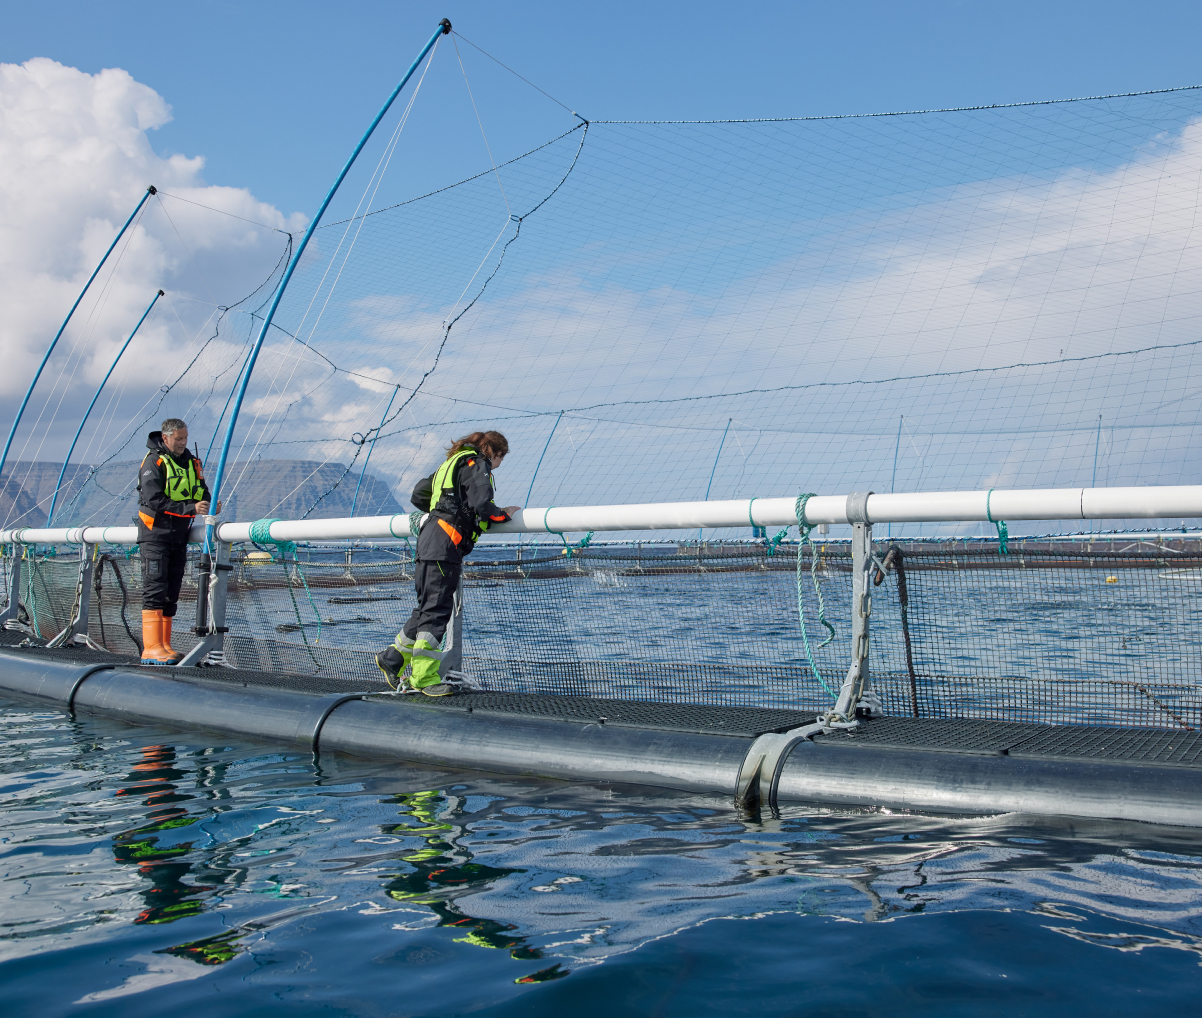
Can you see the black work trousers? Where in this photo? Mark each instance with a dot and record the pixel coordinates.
(435, 583)
(163, 568)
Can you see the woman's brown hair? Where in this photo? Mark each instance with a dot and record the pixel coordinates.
(492, 444)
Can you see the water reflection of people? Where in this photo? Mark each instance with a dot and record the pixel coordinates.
(442, 868)
(167, 897)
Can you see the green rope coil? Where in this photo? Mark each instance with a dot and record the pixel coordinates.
(805, 529)
(260, 533)
(570, 548)
(1003, 532)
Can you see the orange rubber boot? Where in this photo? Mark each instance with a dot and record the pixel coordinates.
(153, 651)
(174, 655)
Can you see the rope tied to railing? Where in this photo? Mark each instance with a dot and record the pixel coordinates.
(1003, 532)
(260, 533)
(805, 529)
(568, 547)
(771, 546)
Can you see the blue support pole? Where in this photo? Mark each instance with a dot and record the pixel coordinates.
(537, 466)
(714, 468)
(444, 27)
(78, 431)
(371, 448)
(896, 450)
(54, 342)
(530, 490)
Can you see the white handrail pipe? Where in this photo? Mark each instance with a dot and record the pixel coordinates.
(1163, 502)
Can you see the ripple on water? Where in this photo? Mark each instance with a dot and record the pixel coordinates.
(139, 859)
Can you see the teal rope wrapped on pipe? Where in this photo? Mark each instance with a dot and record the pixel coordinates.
(1003, 532)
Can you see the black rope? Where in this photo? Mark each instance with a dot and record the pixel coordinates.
(451, 324)
(124, 599)
(894, 561)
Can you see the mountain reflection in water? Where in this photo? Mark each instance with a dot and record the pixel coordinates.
(139, 859)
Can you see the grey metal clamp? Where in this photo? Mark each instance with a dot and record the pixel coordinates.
(760, 772)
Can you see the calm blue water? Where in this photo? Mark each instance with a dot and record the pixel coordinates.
(144, 867)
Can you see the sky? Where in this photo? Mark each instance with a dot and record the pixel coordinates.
(252, 109)
(273, 95)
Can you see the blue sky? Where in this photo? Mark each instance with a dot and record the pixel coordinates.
(273, 94)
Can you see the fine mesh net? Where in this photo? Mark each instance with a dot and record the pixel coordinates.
(1083, 632)
(958, 299)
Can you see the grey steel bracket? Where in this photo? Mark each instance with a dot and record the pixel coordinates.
(452, 652)
(76, 630)
(13, 611)
(857, 507)
(214, 640)
(760, 772)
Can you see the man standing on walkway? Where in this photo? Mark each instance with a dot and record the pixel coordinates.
(171, 494)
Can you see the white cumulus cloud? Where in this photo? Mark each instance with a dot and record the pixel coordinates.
(76, 154)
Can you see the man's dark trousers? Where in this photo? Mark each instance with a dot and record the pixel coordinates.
(163, 567)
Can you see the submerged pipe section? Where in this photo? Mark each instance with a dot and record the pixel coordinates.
(776, 768)
(1163, 502)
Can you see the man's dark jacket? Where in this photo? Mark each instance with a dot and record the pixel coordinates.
(160, 518)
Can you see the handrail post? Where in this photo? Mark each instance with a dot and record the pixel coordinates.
(13, 610)
(77, 626)
(856, 686)
(213, 587)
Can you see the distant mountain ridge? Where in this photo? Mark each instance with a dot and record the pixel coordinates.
(281, 489)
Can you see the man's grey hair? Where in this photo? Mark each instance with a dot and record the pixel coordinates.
(172, 425)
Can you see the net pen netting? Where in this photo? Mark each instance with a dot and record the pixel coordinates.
(956, 299)
(1101, 631)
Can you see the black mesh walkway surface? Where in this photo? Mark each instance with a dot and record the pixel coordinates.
(997, 738)
(701, 719)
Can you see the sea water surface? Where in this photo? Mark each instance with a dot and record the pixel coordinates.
(148, 868)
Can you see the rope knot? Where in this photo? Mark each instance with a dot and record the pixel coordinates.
(569, 548)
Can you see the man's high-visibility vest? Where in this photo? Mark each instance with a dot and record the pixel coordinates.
(182, 485)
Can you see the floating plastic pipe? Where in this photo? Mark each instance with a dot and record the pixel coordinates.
(1166, 502)
(826, 771)
(383, 727)
(54, 342)
(63, 473)
(444, 27)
